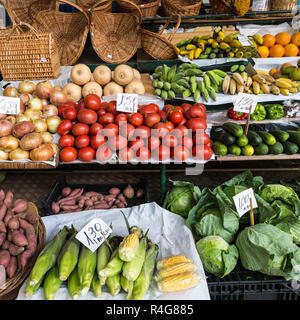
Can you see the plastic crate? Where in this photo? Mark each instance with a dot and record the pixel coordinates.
(55, 192)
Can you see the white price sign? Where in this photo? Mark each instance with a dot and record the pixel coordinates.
(127, 102)
(91, 235)
(245, 102)
(242, 201)
(9, 105)
(244, 40)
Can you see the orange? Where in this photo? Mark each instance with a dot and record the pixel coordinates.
(277, 51)
(263, 51)
(291, 50)
(269, 40)
(272, 71)
(283, 38)
(296, 39)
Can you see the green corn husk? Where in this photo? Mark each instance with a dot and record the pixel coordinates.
(74, 286)
(103, 256)
(31, 290)
(86, 268)
(113, 267)
(142, 283)
(126, 285)
(68, 258)
(47, 258)
(114, 284)
(96, 286)
(129, 245)
(51, 283)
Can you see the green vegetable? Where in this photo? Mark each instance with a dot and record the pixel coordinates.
(74, 286)
(113, 267)
(31, 290)
(267, 137)
(259, 113)
(262, 149)
(254, 138)
(181, 198)
(103, 256)
(127, 286)
(96, 286)
(227, 138)
(219, 149)
(242, 141)
(217, 256)
(276, 148)
(275, 111)
(233, 128)
(113, 284)
(294, 136)
(234, 149)
(248, 150)
(290, 147)
(52, 283)
(280, 135)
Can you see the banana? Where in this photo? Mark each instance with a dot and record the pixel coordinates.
(212, 93)
(248, 83)
(268, 78)
(291, 82)
(220, 73)
(197, 95)
(238, 78)
(215, 87)
(224, 45)
(258, 78)
(190, 47)
(284, 91)
(198, 51)
(201, 86)
(244, 76)
(191, 54)
(205, 95)
(232, 86)
(172, 73)
(283, 84)
(265, 88)
(239, 88)
(256, 87)
(258, 39)
(207, 81)
(275, 90)
(225, 85)
(193, 87)
(165, 71)
(177, 76)
(293, 90)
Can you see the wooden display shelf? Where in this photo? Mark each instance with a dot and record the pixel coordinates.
(255, 157)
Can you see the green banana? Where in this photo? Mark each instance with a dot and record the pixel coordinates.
(201, 86)
(165, 72)
(171, 73)
(183, 82)
(193, 72)
(197, 95)
(234, 68)
(186, 65)
(205, 95)
(177, 76)
(220, 73)
(158, 92)
(193, 87)
(171, 94)
(167, 86)
(193, 79)
(158, 69)
(186, 93)
(164, 94)
(212, 93)
(213, 77)
(206, 80)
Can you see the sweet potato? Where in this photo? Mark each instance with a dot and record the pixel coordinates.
(120, 205)
(2, 237)
(91, 194)
(9, 235)
(66, 191)
(3, 210)
(22, 230)
(94, 198)
(111, 202)
(100, 197)
(20, 205)
(13, 223)
(89, 202)
(2, 195)
(31, 218)
(128, 192)
(122, 198)
(114, 191)
(4, 258)
(66, 207)
(18, 238)
(2, 226)
(8, 216)
(8, 201)
(140, 193)
(73, 195)
(21, 215)
(12, 267)
(70, 202)
(15, 250)
(55, 207)
(32, 242)
(5, 245)
(101, 206)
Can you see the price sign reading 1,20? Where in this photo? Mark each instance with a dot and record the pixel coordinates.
(242, 201)
(245, 103)
(127, 102)
(94, 233)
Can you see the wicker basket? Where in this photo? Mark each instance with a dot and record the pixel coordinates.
(69, 29)
(181, 7)
(157, 46)
(20, 7)
(115, 36)
(284, 5)
(38, 6)
(221, 7)
(28, 55)
(148, 8)
(88, 4)
(14, 284)
(12, 16)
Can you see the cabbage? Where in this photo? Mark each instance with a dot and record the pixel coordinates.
(273, 192)
(217, 256)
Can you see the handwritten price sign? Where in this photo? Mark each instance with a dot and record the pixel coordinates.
(242, 201)
(127, 102)
(245, 103)
(9, 105)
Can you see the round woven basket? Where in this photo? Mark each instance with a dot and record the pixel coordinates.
(70, 30)
(20, 8)
(12, 16)
(221, 7)
(181, 7)
(13, 285)
(284, 5)
(148, 8)
(88, 4)
(158, 47)
(38, 6)
(115, 36)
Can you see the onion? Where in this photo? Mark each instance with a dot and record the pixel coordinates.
(55, 147)
(57, 97)
(26, 87)
(5, 128)
(12, 119)
(3, 116)
(36, 104)
(3, 155)
(42, 153)
(52, 123)
(40, 125)
(24, 98)
(10, 92)
(47, 137)
(45, 102)
(21, 118)
(50, 110)
(8, 144)
(57, 88)
(31, 141)
(43, 89)
(32, 115)
(18, 154)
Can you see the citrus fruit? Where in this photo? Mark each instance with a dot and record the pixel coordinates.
(291, 50)
(283, 38)
(269, 40)
(263, 51)
(277, 51)
(296, 39)
(272, 71)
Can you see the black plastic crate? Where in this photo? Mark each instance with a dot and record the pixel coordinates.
(55, 192)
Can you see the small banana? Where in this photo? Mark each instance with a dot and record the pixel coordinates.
(232, 87)
(244, 76)
(225, 85)
(238, 78)
(265, 88)
(291, 82)
(258, 78)
(275, 90)
(293, 90)
(283, 84)
(239, 88)
(248, 83)
(256, 87)
(285, 92)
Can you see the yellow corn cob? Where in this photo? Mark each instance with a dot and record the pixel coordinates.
(265, 88)
(190, 47)
(282, 84)
(175, 269)
(293, 90)
(129, 245)
(258, 78)
(179, 282)
(275, 90)
(285, 92)
(238, 78)
(256, 87)
(232, 87)
(239, 88)
(171, 261)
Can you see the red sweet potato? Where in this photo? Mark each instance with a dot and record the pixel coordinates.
(20, 205)
(91, 194)
(114, 191)
(21, 215)
(5, 245)
(9, 235)
(15, 250)
(12, 267)
(110, 197)
(122, 198)
(2, 226)
(66, 207)
(2, 237)
(13, 223)
(4, 258)
(31, 218)
(8, 216)
(55, 207)
(2, 195)
(8, 201)
(66, 191)
(75, 194)
(18, 238)
(89, 202)
(3, 210)
(103, 205)
(32, 242)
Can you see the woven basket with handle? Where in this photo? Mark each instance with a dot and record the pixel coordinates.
(69, 29)
(40, 5)
(20, 7)
(157, 46)
(181, 7)
(88, 4)
(28, 54)
(13, 285)
(13, 18)
(221, 7)
(148, 8)
(115, 36)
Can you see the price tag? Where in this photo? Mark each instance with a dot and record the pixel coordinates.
(2, 277)
(244, 40)
(9, 105)
(91, 236)
(244, 102)
(127, 102)
(242, 201)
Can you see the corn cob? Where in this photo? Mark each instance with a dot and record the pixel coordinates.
(103, 256)
(74, 286)
(129, 245)
(47, 258)
(113, 284)
(113, 267)
(179, 282)
(232, 87)
(176, 269)
(31, 290)
(51, 283)
(238, 78)
(68, 257)
(96, 286)
(171, 261)
(142, 283)
(256, 87)
(86, 267)
(225, 85)
(127, 286)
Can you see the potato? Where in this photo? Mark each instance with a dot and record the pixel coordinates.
(22, 128)
(31, 141)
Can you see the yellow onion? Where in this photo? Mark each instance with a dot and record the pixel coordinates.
(32, 115)
(40, 125)
(43, 89)
(26, 87)
(53, 123)
(35, 104)
(3, 155)
(24, 98)
(12, 119)
(3, 116)
(10, 92)
(18, 154)
(42, 153)
(31, 141)
(8, 144)
(5, 128)
(21, 118)
(55, 147)
(50, 110)
(58, 97)
(47, 137)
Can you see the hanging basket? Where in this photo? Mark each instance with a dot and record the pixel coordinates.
(115, 36)
(284, 5)
(40, 5)
(13, 285)
(157, 46)
(148, 8)
(69, 29)
(181, 7)
(221, 7)
(20, 8)
(13, 18)
(88, 4)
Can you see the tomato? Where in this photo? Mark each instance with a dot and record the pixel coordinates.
(111, 108)
(149, 108)
(143, 154)
(64, 106)
(142, 132)
(162, 153)
(179, 108)
(202, 152)
(103, 154)
(92, 101)
(66, 141)
(82, 141)
(68, 154)
(180, 153)
(159, 130)
(153, 143)
(101, 111)
(107, 118)
(185, 106)
(136, 119)
(110, 130)
(180, 131)
(162, 115)
(117, 142)
(80, 105)
(69, 113)
(126, 130)
(86, 154)
(87, 116)
(97, 141)
(95, 128)
(167, 107)
(136, 144)
(183, 122)
(207, 152)
(126, 154)
(150, 119)
(104, 105)
(200, 105)
(201, 138)
(169, 125)
(195, 112)
(80, 129)
(155, 106)
(64, 127)
(170, 141)
(120, 118)
(187, 142)
(209, 144)
(196, 124)
(175, 117)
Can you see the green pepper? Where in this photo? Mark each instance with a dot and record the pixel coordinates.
(275, 111)
(259, 113)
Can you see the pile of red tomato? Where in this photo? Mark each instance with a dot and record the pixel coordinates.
(92, 129)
